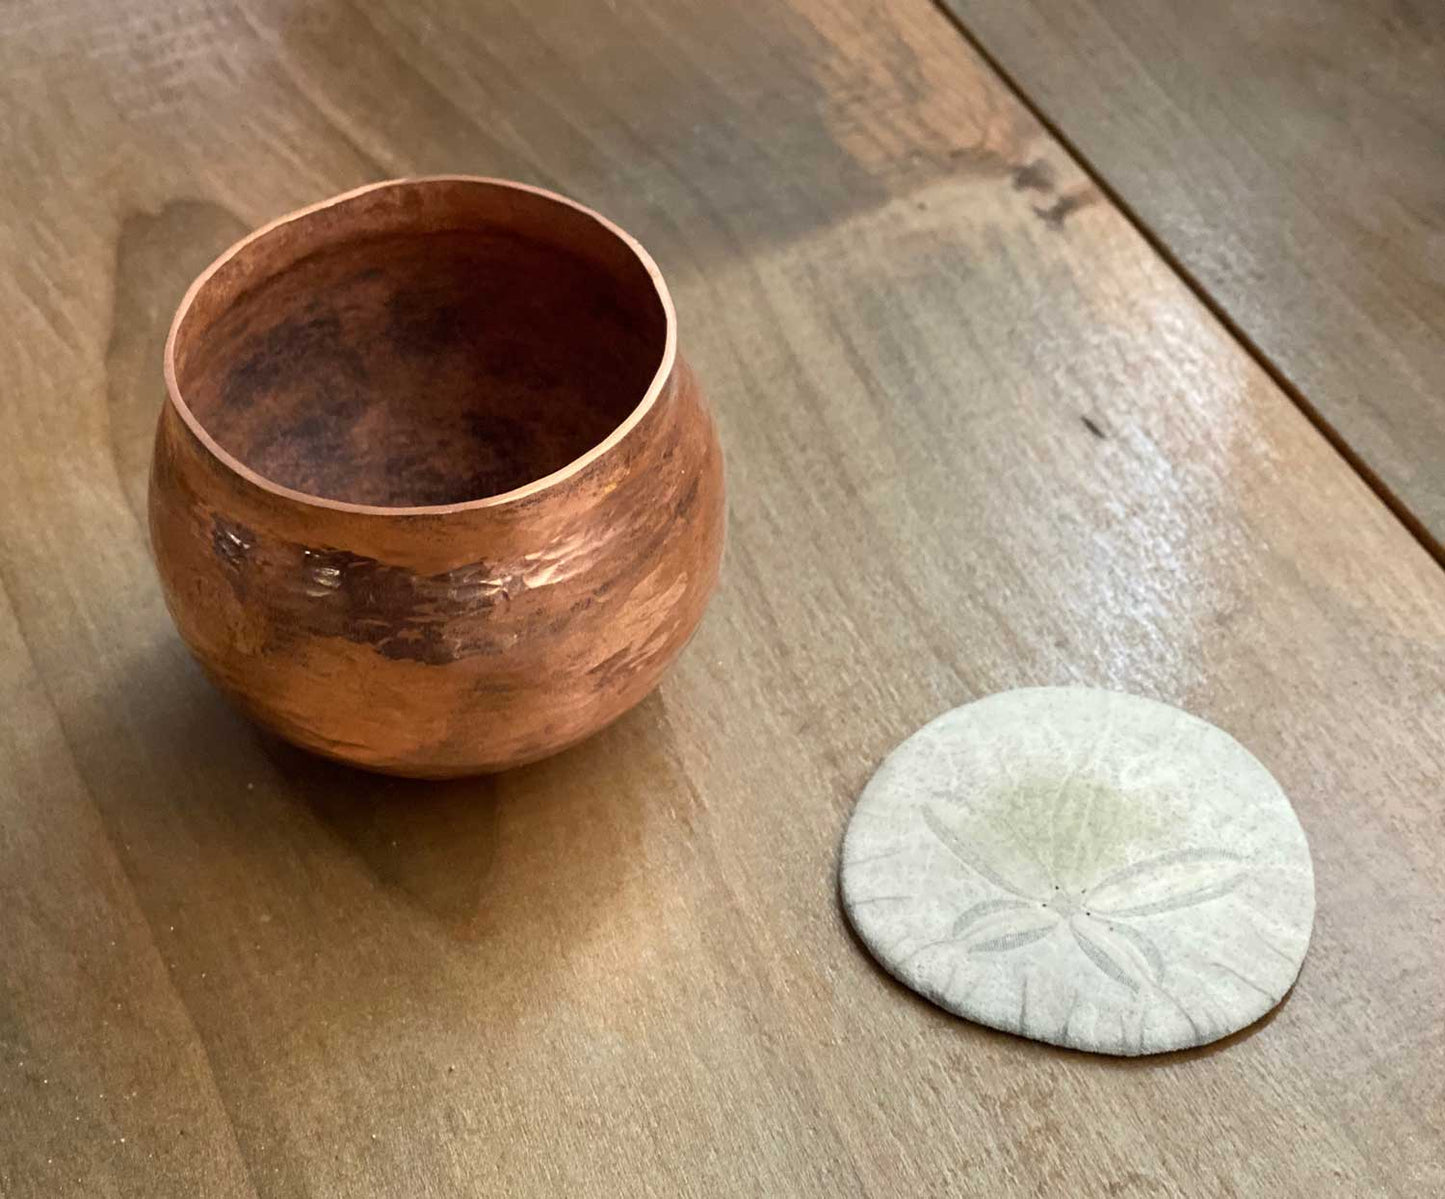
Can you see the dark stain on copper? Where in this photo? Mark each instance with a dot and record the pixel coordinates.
(405, 371)
(273, 352)
(402, 615)
(687, 501)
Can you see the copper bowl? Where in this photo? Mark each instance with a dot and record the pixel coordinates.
(433, 492)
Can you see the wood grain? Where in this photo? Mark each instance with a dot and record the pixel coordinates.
(979, 436)
(1288, 154)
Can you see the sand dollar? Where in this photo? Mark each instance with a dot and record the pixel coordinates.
(1084, 868)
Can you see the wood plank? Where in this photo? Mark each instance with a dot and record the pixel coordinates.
(970, 448)
(1289, 155)
(102, 1077)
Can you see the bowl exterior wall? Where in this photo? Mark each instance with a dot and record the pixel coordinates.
(436, 643)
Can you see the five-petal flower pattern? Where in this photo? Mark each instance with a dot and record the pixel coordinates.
(1098, 916)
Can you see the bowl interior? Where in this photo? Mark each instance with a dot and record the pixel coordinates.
(425, 343)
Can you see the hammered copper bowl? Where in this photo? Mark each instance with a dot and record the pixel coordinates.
(433, 492)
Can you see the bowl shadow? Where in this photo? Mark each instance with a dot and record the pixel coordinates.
(550, 843)
(433, 843)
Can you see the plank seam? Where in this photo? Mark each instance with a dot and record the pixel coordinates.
(1362, 469)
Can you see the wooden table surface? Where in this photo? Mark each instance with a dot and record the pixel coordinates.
(1289, 156)
(981, 434)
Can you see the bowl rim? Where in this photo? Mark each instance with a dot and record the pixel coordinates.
(501, 499)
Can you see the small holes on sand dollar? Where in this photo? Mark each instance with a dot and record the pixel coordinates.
(1084, 868)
